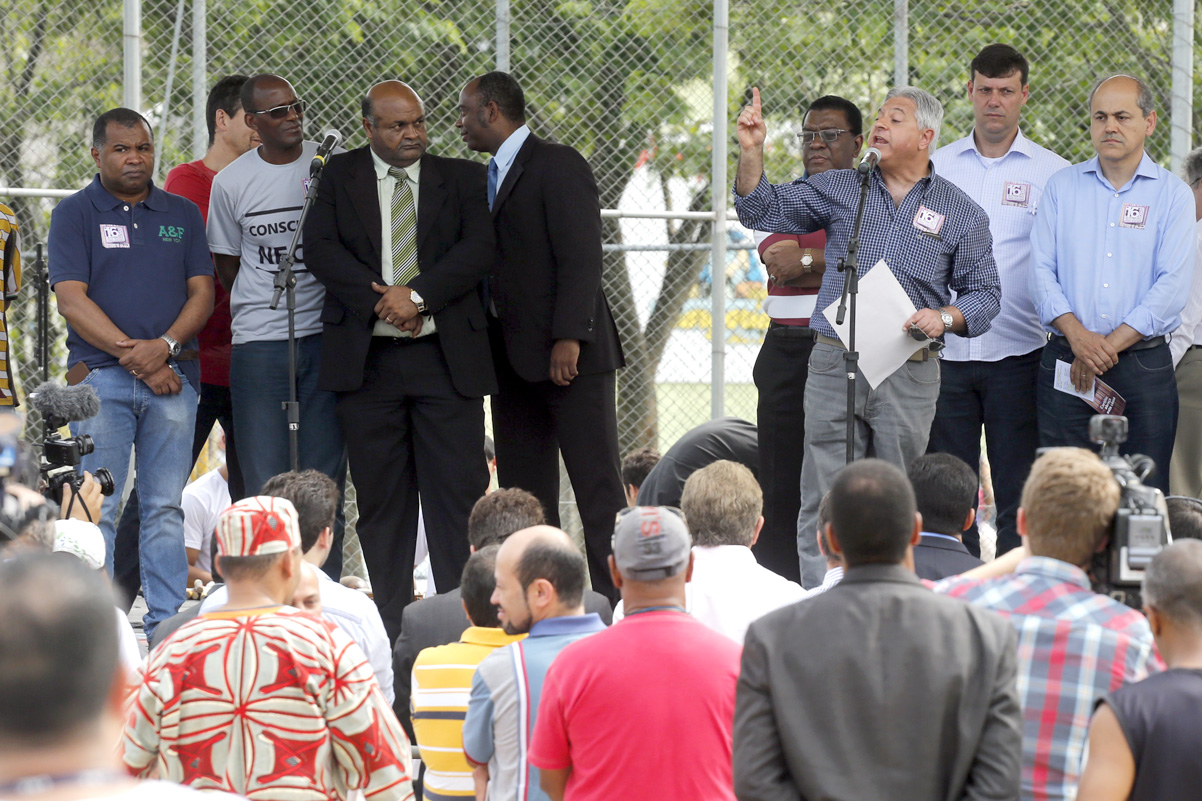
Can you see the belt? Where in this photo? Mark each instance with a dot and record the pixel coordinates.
(187, 355)
(790, 331)
(385, 339)
(925, 354)
(1143, 344)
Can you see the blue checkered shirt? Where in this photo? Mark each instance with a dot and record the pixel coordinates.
(959, 257)
(1074, 646)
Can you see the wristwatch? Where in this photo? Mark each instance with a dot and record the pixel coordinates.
(948, 320)
(173, 347)
(417, 301)
(807, 260)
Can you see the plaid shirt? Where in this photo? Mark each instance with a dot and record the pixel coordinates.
(957, 255)
(1074, 646)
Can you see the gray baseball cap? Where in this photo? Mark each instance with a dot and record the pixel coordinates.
(651, 542)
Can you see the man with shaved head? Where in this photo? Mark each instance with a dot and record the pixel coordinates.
(401, 239)
(1112, 256)
(540, 592)
(254, 209)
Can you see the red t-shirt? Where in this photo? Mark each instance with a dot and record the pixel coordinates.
(814, 241)
(195, 182)
(644, 709)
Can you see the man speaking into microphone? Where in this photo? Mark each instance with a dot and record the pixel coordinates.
(934, 239)
(254, 210)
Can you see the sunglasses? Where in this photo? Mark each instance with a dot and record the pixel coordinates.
(828, 135)
(280, 112)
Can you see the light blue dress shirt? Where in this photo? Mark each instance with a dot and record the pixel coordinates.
(508, 151)
(1009, 189)
(1112, 256)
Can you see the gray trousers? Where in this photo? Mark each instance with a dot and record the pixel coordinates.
(892, 423)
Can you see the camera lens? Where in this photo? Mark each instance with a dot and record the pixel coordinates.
(86, 446)
(104, 478)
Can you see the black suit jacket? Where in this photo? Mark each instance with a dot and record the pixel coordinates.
(440, 620)
(455, 250)
(546, 282)
(725, 438)
(936, 558)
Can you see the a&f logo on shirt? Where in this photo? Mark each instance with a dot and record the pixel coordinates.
(1134, 216)
(114, 236)
(1016, 194)
(171, 233)
(928, 222)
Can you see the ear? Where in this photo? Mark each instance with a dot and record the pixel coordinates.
(367, 126)
(221, 120)
(325, 539)
(1026, 93)
(859, 141)
(916, 534)
(968, 519)
(925, 138)
(96, 156)
(614, 574)
(759, 526)
(1021, 523)
(970, 88)
(252, 121)
(833, 540)
(1150, 124)
(1155, 620)
(688, 571)
(493, 111)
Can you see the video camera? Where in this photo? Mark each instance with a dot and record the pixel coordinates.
(1141, 525)
(61, 455)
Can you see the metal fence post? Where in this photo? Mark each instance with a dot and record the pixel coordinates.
(718, 190)
(901, 43)
(1182, 104)
(200, 78)
(503, 35)
(132, 55)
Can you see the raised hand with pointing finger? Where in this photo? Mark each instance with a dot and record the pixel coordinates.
(751, 129)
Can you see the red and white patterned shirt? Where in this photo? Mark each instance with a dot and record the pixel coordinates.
(273, 704)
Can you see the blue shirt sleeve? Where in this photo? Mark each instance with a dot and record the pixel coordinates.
(1160, 309)
(793, 208)
(478, 724)
(67, 249)
(1046, 292)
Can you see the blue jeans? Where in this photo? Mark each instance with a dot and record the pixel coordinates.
(159, 428)
(1146, 381)
(1000, 396)
(258, 389)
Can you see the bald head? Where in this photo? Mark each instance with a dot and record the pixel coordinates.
(1145, 101)
(1173, 583)
(261, 84)
(540, 574)
(394, 119)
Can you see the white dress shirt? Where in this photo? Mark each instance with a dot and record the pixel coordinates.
(351, 611)
(385, 185)
(730, 589)
(833, 576)
(1009, 189)
(1190, 331)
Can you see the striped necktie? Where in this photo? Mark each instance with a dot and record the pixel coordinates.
(404, 230)
(493, 171)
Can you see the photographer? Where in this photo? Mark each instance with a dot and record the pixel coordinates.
(1075, 645)
(28, 522)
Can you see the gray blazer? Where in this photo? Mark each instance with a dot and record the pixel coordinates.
(876, 689)
(440, 620)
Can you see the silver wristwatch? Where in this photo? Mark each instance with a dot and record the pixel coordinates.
(173, 347)
(948, 320)
(417, 301)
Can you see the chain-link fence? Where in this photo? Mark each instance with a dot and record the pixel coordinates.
(628, 82)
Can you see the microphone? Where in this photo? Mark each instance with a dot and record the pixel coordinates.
(870, 160)
(332, 140)
(67, 404)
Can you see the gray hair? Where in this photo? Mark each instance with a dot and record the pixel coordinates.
(929, 111)
(1143, 98)
(1173, 582)
(1191, 167)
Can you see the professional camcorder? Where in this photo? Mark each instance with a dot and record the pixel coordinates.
(1141, 526)
(61, 455)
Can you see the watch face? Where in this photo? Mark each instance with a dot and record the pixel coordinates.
(948, 320)
(807, 259)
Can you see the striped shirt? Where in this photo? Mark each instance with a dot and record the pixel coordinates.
(1074, 646)
(503, 707)
(1008, 189)
(10, 266)
(935, 241)
(442, 682)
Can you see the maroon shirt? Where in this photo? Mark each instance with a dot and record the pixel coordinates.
(814, 241)
(195, 182)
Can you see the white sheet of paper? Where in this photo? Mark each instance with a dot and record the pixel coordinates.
(1064, 381)
(881, 308)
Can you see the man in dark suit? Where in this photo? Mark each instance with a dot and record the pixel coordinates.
(441, 619)
(554, 340)
(401, 240)
(945, 489)
(877, 688)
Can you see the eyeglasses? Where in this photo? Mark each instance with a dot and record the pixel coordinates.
(280, 112)
(828, 135)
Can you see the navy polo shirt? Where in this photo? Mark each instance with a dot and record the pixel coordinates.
(136, 260)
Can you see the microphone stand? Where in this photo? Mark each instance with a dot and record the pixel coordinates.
(285, 282)
(42, 281)
(849, 266)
